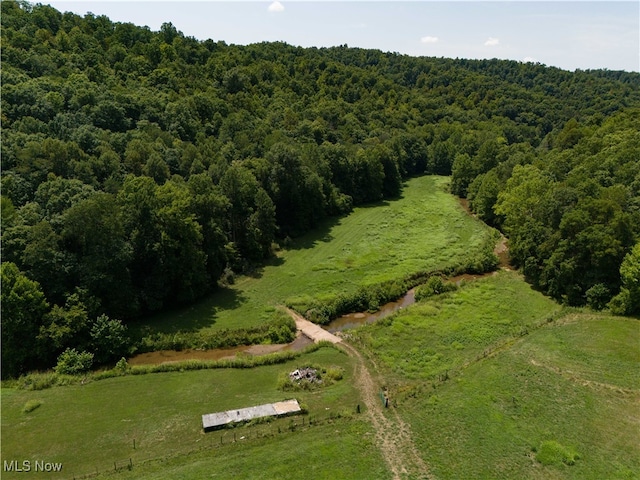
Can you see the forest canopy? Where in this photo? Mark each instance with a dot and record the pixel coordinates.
(141, 167)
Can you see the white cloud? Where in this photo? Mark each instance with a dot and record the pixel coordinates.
(429, 39)
(276, 7)
(492, 42)
(529, 60)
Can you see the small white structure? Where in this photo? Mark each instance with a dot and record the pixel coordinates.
(214, 421)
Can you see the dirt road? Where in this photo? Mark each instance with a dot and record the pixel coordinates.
(393, 435)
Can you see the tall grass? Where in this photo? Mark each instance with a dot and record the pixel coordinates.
(498, 381)
(376, 248)
(281, 329)
(42, 381)
(371, 297)
(445, 332)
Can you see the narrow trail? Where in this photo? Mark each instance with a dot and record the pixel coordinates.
(393, 436)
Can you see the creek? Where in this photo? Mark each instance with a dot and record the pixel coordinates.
(163, 356)
(345, 322)
(353, 320)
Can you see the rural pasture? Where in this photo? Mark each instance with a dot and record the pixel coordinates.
(492, 380)
(497, 381)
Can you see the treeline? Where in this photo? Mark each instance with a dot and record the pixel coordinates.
(571, 210)
(140, 168)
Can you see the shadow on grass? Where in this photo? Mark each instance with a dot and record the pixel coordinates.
(272, 261)
(190, 318)
(322, 232)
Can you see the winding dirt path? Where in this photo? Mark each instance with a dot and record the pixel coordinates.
(393, 435)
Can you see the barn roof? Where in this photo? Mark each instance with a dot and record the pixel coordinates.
(213, 421)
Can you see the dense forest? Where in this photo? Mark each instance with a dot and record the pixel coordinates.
(142, 168)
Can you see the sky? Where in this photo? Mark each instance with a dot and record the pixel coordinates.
(566, 34)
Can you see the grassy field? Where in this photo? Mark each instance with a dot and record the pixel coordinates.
(342, 449)
(494, 379)
(561, 401)
(498, 419)
(435, 337)
(426, 229)
(89, 427)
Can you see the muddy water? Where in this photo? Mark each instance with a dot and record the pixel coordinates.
(163, 356)
(345, 322)
(353, 320)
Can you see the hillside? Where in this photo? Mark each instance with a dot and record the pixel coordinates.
(141, 169)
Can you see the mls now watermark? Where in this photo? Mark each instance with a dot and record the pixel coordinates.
(29, 466)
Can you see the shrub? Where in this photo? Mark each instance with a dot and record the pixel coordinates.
(598, 296)
(553, 453)
(41, 381)
(282, 329)
(334, 374)
(122, 365)
(621, 303)
(72, 362)
(322, 377)
(228, 277)
(31, 405)
(434, 286)
(285, 383)
(108, 339)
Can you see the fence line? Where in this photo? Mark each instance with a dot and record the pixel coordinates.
(217, 439)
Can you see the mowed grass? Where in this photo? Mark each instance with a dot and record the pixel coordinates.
(560, 401)
(424, 230)
(89, 427)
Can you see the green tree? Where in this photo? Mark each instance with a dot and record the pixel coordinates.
(526, 204)
(462, 174)
(109, 340)
(483, 195)
(295, 189)
(94, 234)
(593, 239)
(251, 212)
(627, 302)
(262, 226)
(63, 327)
(182, 263)
(139, 205)
(23, 305)
(74, 362)
(47, 261)
(210, 208)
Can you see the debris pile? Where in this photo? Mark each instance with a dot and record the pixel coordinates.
(307, 374)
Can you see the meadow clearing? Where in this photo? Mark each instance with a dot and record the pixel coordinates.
(92, 428)
(424, 230)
